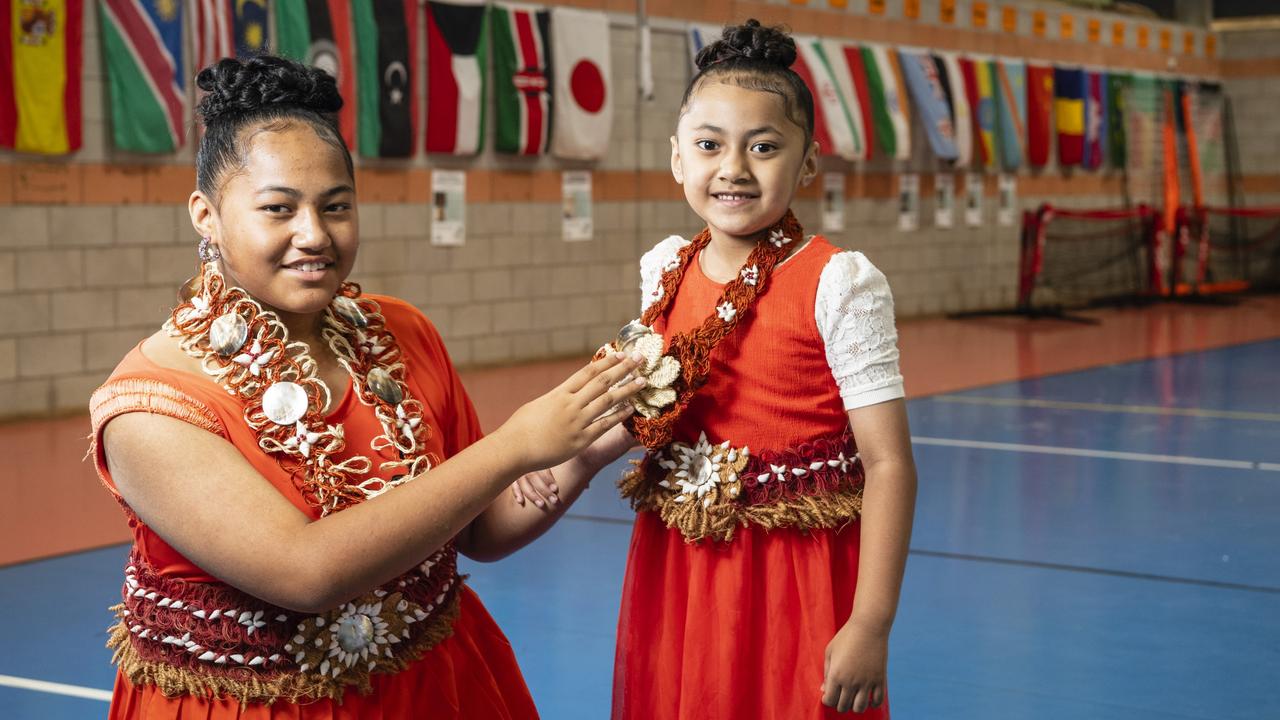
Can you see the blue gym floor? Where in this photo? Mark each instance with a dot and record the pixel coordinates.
(1100, 544)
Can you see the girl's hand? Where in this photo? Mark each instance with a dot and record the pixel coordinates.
(855, 671)
(560, 424)
(539, 487)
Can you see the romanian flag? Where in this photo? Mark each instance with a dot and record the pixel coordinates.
(41, 50)
(319, 34)
(1068, 112)
(1039, 113)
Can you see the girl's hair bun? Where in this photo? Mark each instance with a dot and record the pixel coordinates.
(752, 42)
(242, 87)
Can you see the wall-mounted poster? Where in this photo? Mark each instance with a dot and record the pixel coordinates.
(576, 205)
(944, 200)
(833, 202)
(908, 201)
(448, 207)
(1007, 210)
(973, 187)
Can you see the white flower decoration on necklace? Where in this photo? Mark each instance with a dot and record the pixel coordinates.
(406, 424)
(255, 359)
(726, 311)
(700, 468)
(303, 439)
(750, 275)
(778, 238)
(369, 345)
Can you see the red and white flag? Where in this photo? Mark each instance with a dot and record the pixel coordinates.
(214, 37)
(457, 47)
(583, 96)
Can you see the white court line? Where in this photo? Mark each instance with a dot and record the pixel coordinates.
(1273, 467)
(55, 688)
(1105, 407)
(1084, 452)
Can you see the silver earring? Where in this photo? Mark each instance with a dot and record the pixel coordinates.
(207, 251)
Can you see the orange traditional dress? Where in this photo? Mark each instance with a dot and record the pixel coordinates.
(744, 557)
(421, 646)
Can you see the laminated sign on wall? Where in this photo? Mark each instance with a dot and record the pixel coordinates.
(944, 197)
(448, 207)
(576, 204)
(908, 200)
(833, 202)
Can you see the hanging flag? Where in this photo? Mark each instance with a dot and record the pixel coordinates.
(584, 100)
(41, 53)
(833, 52)
(1011, 94)
(142, 51)
(981, 153)
(888, 100)
(522, 88)
(213, 36)
(1068, 114)
(862, 90)
(250, 27)
(984, 70)
(1039, 114)
(1116, 88)
(814, 65)
(1095, 118)
(931, 102)
(961, 113)
(1208, 128)
(821, 133)
(701, 36)
(1142, 115)
(318, 33)
(385, 49)
(457, 46)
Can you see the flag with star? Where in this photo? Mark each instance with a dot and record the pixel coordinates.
(250, 27)
(385, 39)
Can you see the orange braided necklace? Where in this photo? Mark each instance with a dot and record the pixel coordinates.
(693, 348)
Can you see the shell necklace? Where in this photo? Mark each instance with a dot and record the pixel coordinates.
(247, 351)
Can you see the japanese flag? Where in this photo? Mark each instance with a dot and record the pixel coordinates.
(584, 98)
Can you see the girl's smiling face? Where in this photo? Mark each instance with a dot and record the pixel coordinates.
(740, 159)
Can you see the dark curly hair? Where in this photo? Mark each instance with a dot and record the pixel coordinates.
(265, 93)
(756, 57)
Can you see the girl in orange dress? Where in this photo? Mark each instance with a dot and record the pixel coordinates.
(299, 463)
(767, 352)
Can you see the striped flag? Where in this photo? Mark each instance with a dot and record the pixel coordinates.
(142, 49)
(318, 33)
(836, 57)
(815, 66)
(213, 32)
(522, 78)
(961, 113)
(888, 98)
(981, 153)
(1068, 114)
(862, 88)
(1115, 93)
(1095, 120)
(1011, 95)
(1039, 114)
(41, 54)
(457, 46)
(385, 33)
(249, 25)
(984, 72)
(930, 101)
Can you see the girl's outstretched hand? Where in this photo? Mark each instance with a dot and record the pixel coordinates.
(855, 671)
(557, 426)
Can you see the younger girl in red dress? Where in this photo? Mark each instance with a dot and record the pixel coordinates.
(770, 352)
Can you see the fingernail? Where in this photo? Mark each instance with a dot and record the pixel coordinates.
(539, 503)
(636, 356)
(619, 355)
(555, 488)
(640, 381)
(554, 500)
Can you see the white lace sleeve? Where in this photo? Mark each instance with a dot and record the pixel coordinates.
(652, 265)
(854, 310)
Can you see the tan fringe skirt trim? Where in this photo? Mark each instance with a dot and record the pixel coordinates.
(721, 518)
(249, 686)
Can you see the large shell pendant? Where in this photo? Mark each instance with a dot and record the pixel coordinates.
(284, 403)
(350, 311)
(384, 386)
(228, 334)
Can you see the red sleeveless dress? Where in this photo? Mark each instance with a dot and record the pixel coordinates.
(470, 674)
(738, 629)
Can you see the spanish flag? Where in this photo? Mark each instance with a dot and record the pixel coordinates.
(41, 46)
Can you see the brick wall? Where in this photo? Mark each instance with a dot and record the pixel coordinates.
(93, 247)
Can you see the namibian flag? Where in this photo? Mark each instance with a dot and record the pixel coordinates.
(41, 51)
(1011, 98)
(522, 78)
(457, 39)
(142, 47)
(1068, 111)
(318, 33)
(385, 33)
(250, 27)
(1039, 113)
